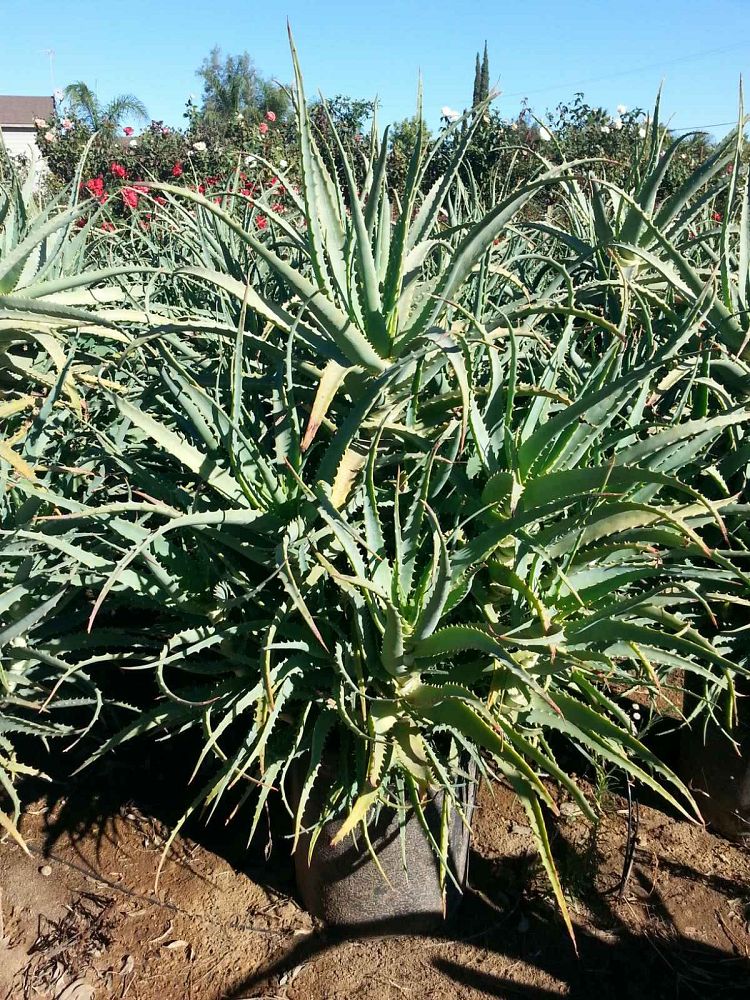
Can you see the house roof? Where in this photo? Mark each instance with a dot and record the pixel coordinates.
(23, 110)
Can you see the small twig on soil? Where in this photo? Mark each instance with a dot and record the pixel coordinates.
(485, 899)
(741, 949)
(164, 936)
(400, 988)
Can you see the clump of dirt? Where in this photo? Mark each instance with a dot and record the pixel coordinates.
(81, 913)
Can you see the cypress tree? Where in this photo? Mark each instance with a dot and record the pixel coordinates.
(477, 83)
(484, 77)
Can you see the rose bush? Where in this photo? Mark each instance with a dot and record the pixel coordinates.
(205, 156)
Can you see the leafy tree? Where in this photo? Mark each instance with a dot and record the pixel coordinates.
(232, 87)
(402, 139)
(87, 107)
(351, 118)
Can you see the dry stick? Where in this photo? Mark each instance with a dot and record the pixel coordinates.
(164, 904)
(632, 839)
(740, 949)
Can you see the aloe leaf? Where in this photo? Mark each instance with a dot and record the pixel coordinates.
(331, 381)
(541, 837)
(323, 201)
(432, 612)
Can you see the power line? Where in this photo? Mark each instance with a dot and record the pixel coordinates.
(631, 72)
(702, 128)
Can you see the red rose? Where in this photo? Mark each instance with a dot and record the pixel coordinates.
(201, 189)
(270, 116)
(128, 130)
(160, 199)
(81, 222)
(95, 186)
(277, 207)
(108, 227)
(263, 128)
(717, 216)
(130, 197)
(141, 188)
(119, 171)
(261, 222)
(177, 170)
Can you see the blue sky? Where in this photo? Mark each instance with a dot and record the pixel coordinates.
(543, 49)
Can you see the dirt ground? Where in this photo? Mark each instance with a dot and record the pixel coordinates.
(80, 920)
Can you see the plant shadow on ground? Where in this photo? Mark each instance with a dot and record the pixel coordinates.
(505, 913)
(657, 964)
(149, 785)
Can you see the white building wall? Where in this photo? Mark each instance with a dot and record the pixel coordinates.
(20, 140)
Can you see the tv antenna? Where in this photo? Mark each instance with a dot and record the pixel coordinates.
(50, 53)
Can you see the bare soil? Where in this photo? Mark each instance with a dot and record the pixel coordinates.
(80, 918)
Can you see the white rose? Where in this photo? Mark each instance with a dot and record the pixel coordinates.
(642, 132)
(133, 143)
(617, 124)
(199, 147)
(283, 164)
(605, 129)
(50, 137)
(621, 109)
(544, 134)
(40, 123)
(449, 113)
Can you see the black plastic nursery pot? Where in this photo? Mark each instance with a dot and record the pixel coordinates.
(342, 885)
(717, 771)
(719, 777)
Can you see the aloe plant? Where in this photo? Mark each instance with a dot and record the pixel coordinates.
(44, 294)
(403, 480)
